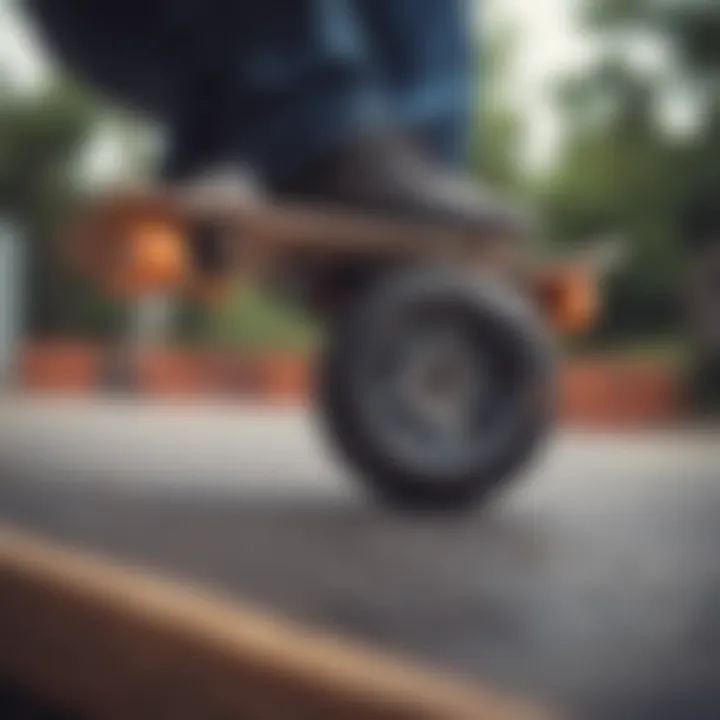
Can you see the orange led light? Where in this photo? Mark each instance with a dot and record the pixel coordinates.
(570, 300)
(152, 257)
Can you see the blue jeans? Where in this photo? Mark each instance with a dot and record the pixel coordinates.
(275, 83)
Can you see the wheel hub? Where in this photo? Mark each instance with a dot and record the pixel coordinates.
(440, 381)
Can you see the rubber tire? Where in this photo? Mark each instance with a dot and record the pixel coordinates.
(386, 479)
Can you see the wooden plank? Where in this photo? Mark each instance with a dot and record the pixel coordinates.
(265, 233)
(108, 641)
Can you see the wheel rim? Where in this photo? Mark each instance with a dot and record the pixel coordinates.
(439, 387)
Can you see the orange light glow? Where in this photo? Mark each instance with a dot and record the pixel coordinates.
(570, 300)
(153, 259)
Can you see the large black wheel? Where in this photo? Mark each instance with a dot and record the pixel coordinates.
(437, 386)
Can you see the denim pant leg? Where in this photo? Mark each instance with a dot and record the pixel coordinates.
(273, 83)
(291, 79)
(423, 54)
(359, 63)
(300, 76)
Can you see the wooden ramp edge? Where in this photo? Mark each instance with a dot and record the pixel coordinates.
(109, 641)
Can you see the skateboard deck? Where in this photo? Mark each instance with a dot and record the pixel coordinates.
(194, 239)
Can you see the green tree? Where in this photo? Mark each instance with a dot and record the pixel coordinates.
(498, 132)
(43, 177)
(41, 136)
(621, 170)
(616, 174)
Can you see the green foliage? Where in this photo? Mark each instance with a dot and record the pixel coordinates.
(248, 319)
(41, 136)
(496, 150)
(617, 175)
(622, 172)
(692, 26)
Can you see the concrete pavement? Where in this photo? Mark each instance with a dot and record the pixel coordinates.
(592, 582)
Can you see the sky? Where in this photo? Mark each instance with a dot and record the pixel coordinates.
(551, 44)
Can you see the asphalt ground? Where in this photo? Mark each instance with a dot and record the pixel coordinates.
(593, 582)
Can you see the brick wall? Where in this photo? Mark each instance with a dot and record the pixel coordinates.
(593, 392)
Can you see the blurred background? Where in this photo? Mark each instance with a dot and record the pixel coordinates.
(604, 113)
(596, 579)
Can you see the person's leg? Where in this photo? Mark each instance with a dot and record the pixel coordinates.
(270, 84)
(292, 79)
(316, 73)
(125, 48)
(303, 76)
(420, 54)
(423, 53)
(278, 81)
(306, 93)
